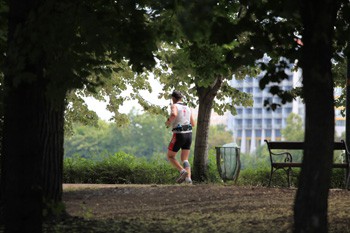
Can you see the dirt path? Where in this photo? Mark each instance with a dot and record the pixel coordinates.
(196, 208)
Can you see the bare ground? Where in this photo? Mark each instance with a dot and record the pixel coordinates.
(181, 208)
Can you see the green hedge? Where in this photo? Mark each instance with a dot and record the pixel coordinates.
(119, 168)
(261, 176)
(122, 168)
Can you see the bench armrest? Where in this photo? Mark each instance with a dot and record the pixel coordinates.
(287, 159)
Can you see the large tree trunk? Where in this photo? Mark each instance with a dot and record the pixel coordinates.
(22, 148)
(206, 97)
(310, 210)
(22, 151)
(33, 131)
(53, 153)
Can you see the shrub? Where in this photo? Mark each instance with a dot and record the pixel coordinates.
(261, 176)
(213, 173)
(78, 170)
(122, 168)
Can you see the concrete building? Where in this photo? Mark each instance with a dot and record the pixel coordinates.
(339, 119)
(252, 125)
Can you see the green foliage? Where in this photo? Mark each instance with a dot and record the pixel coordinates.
(110, 92)
(196, 66)
(218, 136)
(199, 56)
(213, 173)
(144, 136)
(122, 168)
(260, 177)
(53, 209)
(90, 49)
(260, 158)
(294, 130)
(254, 176)
(270, 28)
(78, 169)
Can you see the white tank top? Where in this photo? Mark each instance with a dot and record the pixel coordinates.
(183, 117)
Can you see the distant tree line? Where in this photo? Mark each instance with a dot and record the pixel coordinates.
(144, 136)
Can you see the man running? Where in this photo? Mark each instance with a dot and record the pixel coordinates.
(181, 122)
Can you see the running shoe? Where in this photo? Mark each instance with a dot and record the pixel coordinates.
(182, 177)
(189, 181)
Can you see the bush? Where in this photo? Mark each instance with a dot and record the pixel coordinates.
(78, 170)
(122, 168)
(261, 176)
(213, 173)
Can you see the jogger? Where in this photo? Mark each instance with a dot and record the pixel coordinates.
(181, 122)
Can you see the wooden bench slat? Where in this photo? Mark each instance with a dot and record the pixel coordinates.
(298, 145)
(340, 165)
(280, 165)
(286, 146)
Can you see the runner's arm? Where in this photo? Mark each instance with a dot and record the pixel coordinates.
(193, 123)
(172, 116)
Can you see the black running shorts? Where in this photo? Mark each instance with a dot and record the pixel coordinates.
(180, 141)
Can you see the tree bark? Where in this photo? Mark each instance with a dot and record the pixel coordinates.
(32, 150)
(206, 97)
(22, 151)
(53, 152)
(310, 209)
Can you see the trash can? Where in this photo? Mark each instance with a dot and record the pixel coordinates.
(228, 161)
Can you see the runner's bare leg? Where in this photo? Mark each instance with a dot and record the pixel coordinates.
(171, 157)
(184, 156)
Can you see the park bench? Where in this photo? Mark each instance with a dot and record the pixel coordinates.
(286, 163)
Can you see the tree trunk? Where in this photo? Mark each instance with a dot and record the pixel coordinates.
(22, 151)
(206, 97)
(32, 151)
(310, 210)
(53, 153)
(22, 148)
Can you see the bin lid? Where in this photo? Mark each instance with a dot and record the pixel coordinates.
(232, 144)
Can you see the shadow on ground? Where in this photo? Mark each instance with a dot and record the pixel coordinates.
(196, 208)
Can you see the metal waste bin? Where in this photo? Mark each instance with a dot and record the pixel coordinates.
(228, 161)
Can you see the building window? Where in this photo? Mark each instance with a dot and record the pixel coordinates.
(288, 110)
(340, 122)
(278, 133)
(258, 122)
(268, 121)
(249, 90)
(258, 110)
(278, 121)
(258, 101)
(268, 133)
(248, 133)
(258, 133)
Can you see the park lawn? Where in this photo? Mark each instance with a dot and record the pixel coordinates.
(181, 208)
